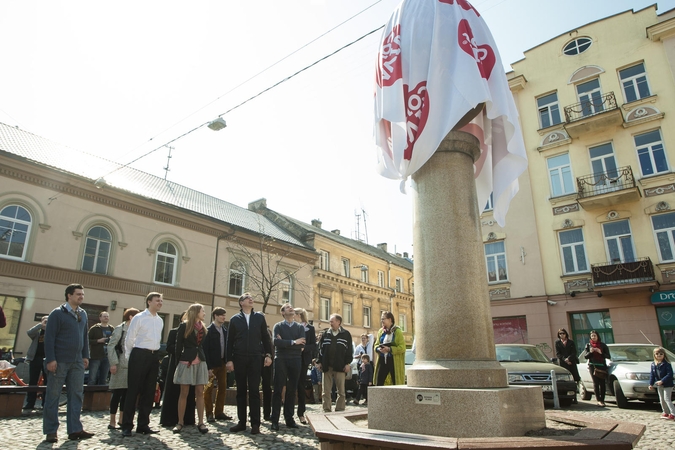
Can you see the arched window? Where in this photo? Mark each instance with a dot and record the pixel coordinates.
(15, 223)
(576, 46)
(97, 250)
(165, 266)
(286, 288)
(236, 280)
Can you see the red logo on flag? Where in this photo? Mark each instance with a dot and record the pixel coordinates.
(482, 54)
(416, 111)
(389, 59)
(462, 4)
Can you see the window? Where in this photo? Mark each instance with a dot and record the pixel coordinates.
(380, 278)
(324, 313)
(576, 46)
(584, 323)
(399, 284)
(489, 206)
(573, 251)
(12, 307)
(97, 250)
(603, 163)
(345, 267)
(364, 273)
(165, 268)
(325, 260)
(664, 234)
(15, 223)
(590, 97)
(634, 83)
(619, 242)
(549, 110)
(495, 258)
(651, 153)
(366, 317)
(286, 287)
(560, 175)
(347, 313)
(236, 283)
(402, 322)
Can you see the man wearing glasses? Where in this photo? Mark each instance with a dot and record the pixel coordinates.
(66, 358)
(214, 349)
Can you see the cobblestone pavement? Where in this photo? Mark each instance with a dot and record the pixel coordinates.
(26, 432)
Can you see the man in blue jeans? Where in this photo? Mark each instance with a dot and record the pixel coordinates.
(66, 357)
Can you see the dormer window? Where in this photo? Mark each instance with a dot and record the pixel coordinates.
(576, 46)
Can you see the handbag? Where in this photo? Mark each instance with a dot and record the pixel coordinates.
(599, 373)
(119, 347)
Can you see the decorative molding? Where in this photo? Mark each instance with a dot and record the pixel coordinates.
(554, 139)
(657, 180)
(659, 190)
(63, 277)
(492, 236)
(348, 292)
(488, 223)
(564, 198)
(151, 251)
(186, 258)
(500, 293)
(567, 223)
(122, 245)
(328, 287)
(77, 235)
(613, 215)
(662, 206)
(642, 114)
(640, 102)
(578, 285)
(517, 83)
(44, 227)
(584, 73)
(565, 209)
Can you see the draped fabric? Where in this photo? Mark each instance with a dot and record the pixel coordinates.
(438, 61)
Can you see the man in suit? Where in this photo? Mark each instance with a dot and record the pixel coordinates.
(215, 350)
(289, 340)
(248, 349)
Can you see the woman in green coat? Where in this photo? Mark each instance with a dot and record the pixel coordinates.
(390, 351)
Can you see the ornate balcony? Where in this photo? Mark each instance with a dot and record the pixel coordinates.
(607, 189)
(611, 275)
(592, 115)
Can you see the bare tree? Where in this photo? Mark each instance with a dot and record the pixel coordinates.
(269, 265)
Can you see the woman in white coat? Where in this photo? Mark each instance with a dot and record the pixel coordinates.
(118, 367)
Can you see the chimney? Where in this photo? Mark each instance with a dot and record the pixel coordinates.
(335, 232)
(405, 254)
(255, 205)
(316, 223)
(382, 246)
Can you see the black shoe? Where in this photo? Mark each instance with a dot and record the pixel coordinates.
(292, 425)
(146, 430)
(222, 416)
(238, 427)
(210, 418)
(255, 429)
(80, 435)
(126, 433)
(51, 437)
(275, 427)
(266, 417)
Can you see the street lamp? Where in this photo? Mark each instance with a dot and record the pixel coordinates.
(217, 124)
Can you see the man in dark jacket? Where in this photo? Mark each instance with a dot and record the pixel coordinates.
(248, 345)
(214, 347)
(289, 340)
(335, 356)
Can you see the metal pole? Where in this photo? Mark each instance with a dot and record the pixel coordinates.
(554, 384)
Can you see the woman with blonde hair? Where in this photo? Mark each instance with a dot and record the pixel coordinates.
(191, 369)
(661, 377)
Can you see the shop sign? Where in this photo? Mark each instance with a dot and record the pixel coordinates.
(663, 298)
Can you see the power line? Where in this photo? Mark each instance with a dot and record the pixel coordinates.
(249, 99)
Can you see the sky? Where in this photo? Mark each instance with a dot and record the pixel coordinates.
(121, 79)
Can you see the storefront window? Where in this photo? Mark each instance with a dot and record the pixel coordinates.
(510, 330)
(666, 317)
(584, 323)
(12, 307)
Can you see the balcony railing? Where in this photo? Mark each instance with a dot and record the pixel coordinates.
(578, 111)
(609, 274)
(602, 183)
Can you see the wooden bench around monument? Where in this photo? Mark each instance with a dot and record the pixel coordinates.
(96, 398)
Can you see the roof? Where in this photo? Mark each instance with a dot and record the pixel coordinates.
(64, 159)
(356, 245)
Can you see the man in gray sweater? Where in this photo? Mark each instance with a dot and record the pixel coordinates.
(66, 358)
(289, 340)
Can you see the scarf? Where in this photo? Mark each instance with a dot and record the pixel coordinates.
(597, 358)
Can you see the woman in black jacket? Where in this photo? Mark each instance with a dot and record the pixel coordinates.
(169, 416)
(566, 352)
(596, 353)
(191, 369)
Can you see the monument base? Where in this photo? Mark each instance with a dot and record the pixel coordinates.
(459, 413)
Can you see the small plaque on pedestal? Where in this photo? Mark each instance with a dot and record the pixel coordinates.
(428, 398)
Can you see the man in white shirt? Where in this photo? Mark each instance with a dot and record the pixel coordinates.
(364, 348)
(140, 347)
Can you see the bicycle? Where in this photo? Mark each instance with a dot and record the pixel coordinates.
(9, 377)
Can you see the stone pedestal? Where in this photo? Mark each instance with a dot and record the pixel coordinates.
(456, 364)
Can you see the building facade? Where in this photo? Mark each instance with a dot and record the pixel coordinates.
(597, 113)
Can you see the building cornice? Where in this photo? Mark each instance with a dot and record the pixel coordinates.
(357, 286)
(661, 30)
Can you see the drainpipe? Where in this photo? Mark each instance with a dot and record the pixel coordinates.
(215, 268)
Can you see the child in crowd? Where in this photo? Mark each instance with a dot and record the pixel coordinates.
(315, 376)
(662, 378)
(365, 379)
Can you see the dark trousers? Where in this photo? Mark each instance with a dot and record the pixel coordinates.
(267, 389)
(302, 393)
(143, 369)
(117, 400)
(362, 392)
(35, 368)
(599, 385)
(247, 376)
(286, 372)
(385, 369)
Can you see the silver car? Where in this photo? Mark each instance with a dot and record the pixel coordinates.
(628, 373)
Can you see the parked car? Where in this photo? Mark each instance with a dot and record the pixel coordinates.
(528, 366)
(628, 373)
(409, 360)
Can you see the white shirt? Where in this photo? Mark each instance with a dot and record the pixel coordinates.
(368, 350)
(145, 331)
(248, 318)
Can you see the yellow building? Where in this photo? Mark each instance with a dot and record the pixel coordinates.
(70, 217)
(597, 109)
(353, 279)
